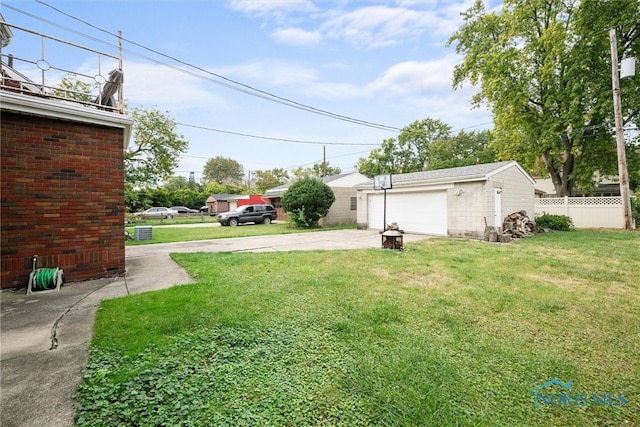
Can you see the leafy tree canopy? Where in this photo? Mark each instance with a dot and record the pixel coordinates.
(415, 141)
(175, 182)
(215, 188)
(424, 145)
(323, 169)
(153, 154)
(381, 160)
(318, 170)
(223, 170)
(269, 179)
(144, 198)
(544, 69)
(179, 182)
(463, 149)
(307, 200)
(72, 88)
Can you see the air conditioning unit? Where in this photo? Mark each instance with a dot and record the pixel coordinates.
(143, 232)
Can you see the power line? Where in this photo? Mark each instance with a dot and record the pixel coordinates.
(244, 88)
(298, 141)
(357, 121)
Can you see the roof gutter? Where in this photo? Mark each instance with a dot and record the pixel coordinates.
(431, 182)
(65, 110)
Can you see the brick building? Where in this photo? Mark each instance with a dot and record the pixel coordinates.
(62, 188)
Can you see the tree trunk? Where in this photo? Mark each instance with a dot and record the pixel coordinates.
(561, 182)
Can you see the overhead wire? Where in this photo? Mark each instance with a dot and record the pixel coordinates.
(273, 138)
(232, 84)
(261, 94)
(244, 88)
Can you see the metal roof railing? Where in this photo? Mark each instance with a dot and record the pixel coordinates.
(99, 87)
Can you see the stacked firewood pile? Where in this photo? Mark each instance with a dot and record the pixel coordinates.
(518, 224)
(514, 225)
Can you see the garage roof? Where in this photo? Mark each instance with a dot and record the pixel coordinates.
(331, 181)
(460, 174)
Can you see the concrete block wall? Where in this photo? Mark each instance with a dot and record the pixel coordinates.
(518, 192)
(340, 212)
(466, 204)
(62, 198)
(362, 213)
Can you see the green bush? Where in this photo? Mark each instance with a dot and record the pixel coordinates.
(554, 222)
(635, 209)
(307, 200)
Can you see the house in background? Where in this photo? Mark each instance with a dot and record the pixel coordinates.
(607, 186)
(217, 203)
(62, 180)
(457, 202)
(343, 210)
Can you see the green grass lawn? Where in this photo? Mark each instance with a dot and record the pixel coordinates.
(448, 332)
(167, 234)
(180, 219)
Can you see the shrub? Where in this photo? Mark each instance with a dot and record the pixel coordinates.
(554, 222)
(306, 201)
(635, 209)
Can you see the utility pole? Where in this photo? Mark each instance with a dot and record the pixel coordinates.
(324, 161)
(620, 143)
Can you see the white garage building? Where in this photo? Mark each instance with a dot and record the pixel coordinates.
(448, 202)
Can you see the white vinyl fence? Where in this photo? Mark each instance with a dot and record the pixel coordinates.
(586, 212)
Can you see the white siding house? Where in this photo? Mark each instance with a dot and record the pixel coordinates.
(453, 202)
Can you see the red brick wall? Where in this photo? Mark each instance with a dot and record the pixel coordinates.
(62, 198)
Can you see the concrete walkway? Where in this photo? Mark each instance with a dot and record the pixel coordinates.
(44, 337)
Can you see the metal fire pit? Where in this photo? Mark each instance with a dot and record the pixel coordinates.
(392, 239)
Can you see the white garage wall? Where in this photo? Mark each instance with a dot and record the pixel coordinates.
(467, 205)
(340, 212)
(518, 191)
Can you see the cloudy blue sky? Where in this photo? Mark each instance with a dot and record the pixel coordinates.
(381, 62)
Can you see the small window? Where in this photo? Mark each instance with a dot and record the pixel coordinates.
(354, 204)
(260, 208)
(249, 209)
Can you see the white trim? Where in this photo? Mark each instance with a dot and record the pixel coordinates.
(64, 110)
(409, 189)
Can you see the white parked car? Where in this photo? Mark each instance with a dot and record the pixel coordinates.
(157, 213)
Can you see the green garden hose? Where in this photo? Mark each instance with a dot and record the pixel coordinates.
(45, 278)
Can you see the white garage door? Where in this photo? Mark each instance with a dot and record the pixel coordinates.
(424, 212)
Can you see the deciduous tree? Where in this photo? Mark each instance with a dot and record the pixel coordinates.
(269, 179)
(156, 147)
(72, 88)
(415, 141)
(380, 160)
(223, 170)
(544, 69)
(463, 149)
(318, 170)
(410, 152)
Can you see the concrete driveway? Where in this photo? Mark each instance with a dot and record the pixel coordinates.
(44, 337)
